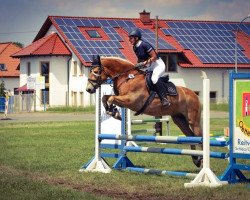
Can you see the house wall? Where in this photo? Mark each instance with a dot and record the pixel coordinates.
(57, 76)
(78, 83)
(191, 78)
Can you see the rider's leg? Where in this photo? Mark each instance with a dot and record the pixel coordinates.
(160, 91)
(158, 71)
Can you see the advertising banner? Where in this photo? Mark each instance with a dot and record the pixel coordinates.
(241, 138)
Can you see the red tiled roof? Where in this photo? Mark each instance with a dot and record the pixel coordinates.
(46, 46)
(11, 64)
(192, 60)
(244, 41)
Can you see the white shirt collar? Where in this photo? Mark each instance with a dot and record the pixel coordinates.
(138, 43)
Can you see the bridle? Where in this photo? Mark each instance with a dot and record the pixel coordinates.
(96, 83)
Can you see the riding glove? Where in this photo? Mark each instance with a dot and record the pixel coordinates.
(140, 65)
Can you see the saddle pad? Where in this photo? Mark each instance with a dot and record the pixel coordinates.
(169, 87)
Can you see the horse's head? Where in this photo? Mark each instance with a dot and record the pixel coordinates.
(104, 68)
(97, 75)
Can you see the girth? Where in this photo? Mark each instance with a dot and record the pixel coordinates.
(169, 89)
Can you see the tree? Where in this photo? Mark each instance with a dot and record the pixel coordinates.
(19, 44)
(2, 89)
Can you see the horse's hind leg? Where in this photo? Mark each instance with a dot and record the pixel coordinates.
(183, 124)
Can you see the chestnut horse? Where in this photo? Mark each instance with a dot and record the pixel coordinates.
(131, 92)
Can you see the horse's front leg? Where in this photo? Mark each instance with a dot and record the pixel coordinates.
(110, 107)
(109, 102)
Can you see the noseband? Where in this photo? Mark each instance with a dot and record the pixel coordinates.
(98, 81)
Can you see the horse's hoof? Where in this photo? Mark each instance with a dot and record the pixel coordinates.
(108, 113)
(118, 116)
(198, 162)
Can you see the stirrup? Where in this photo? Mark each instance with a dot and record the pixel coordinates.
(165, 102)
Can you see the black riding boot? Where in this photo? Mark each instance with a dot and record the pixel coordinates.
(160, 91)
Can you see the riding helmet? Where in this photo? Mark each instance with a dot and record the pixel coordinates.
(96, 60)
(135, 33)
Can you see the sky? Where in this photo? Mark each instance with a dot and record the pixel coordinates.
(20, 20)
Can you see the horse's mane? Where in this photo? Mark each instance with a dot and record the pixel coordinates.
(118, 59)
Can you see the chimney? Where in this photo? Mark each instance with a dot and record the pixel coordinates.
(145, 17)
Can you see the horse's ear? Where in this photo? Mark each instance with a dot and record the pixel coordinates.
(96, 60)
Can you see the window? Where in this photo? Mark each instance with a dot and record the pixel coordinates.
(93, 34)
(81, 70)
(28, 68)
(74, 98)
(170, 61)
(212, 97)
(75, 68)
(3, 67)
(45, 92)
(45, 96)
(45, 71)
(81, 99)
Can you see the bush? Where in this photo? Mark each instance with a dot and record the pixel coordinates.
(2, 89)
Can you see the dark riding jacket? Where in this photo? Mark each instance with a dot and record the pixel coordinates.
(142, 49)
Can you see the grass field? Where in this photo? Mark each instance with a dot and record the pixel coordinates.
(41, 161)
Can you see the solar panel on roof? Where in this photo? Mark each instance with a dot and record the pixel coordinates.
(77, 22)
(121, 23)
(86, 22)
(149, 36)
(64, 29)
(212, 40)
(129, 23)
(68, 22)
(59, 21)
(68, 35)
(95, 22)
(104, 22)
(87, 48)
(113, 23)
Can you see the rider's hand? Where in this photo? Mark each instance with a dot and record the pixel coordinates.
(140, 65)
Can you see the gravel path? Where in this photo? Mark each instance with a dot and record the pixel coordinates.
(48, 116)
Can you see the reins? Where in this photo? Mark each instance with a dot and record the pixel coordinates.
(98, 80)
(97, 83)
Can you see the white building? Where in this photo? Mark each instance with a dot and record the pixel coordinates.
(9, 67)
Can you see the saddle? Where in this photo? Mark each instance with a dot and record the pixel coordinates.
(168, 88)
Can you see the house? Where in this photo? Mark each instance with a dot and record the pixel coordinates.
(63, 48)
(9, 67)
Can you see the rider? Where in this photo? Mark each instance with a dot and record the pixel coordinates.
(147, 58)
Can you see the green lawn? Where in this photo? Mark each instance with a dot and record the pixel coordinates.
(41, 161)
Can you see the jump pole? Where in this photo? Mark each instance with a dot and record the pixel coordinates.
(97, 164)
(129, 131)
(206, 177)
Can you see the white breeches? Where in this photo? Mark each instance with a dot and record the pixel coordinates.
(158, 68)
